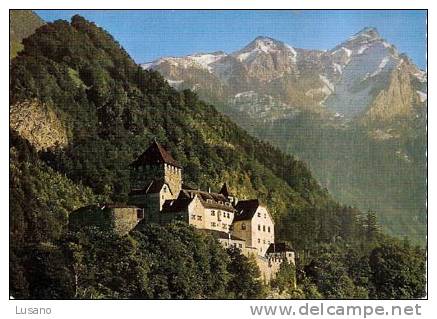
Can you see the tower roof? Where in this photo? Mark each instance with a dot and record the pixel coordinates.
(225, 191)
(246, 209)
(155, 154)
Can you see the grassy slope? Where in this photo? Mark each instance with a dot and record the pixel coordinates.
(22, 23)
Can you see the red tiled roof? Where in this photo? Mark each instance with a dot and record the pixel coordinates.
(155, 154)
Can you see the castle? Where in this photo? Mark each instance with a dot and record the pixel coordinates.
(158, 195)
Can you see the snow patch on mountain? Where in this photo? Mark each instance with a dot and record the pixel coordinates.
(264, 45)
(246, 56)
(338, 68)
(148, 65)
(421, 76)
(348, 52)
(175, 83)
(293, 52)
(205, 60)
(381, 66)
(202, 61)
(327, 82)
(247, 94)
(362, 49)
(422, 96)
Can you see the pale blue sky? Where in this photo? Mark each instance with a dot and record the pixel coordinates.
(148, 34)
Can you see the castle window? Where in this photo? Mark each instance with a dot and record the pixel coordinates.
(259, 241)
(264, 241)
(268, 229)
(240, 245)
(140, 213)
(259, 227)
(212, 213)
(264, 227)
(199, 217)
(193, 216)
(265, 215)
(243, 226)
(226, 243)
(212, 224)
(259, 214)
(165, 189)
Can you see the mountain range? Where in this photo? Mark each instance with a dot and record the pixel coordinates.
(355, 113)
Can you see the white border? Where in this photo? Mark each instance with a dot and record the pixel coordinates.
(193, 309)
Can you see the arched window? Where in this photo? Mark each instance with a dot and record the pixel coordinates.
(243, 226)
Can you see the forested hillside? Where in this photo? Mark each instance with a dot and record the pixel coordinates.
(105, 110)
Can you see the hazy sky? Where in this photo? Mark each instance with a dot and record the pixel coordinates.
(148, 35)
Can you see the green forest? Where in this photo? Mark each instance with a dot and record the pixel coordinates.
(111, 110)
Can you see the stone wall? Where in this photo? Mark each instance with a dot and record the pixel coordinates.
(125, 219)
(268, 268)
(173, 177)
(141, 176)
(243, 229)
(91, 215)
(119, 219)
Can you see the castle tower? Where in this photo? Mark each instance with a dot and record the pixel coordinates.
(156, 164)
(225, 192)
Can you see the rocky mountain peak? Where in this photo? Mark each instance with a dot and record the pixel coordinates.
(363, 39)
(266, 45)
(367, 32)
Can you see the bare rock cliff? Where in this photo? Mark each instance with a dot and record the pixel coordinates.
(38, 124)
